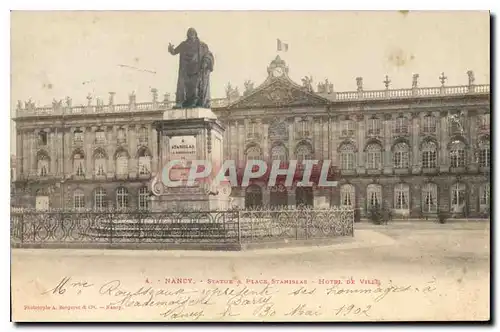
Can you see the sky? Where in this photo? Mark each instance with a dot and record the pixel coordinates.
(59, 54)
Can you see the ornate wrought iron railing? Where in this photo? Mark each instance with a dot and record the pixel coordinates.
(273, 223)
(211, 227)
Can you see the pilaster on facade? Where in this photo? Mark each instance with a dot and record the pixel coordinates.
(153, 147)
(265, 138)
(66, 156)
(31, 154)
(241, 143)
(51, 145)
(444, 164)
(415, 141)
(333, 141)
(111, 150)
(88, 139)
(131, 136)
(361, 142)
(291, 138)
(387, 130)
(325, 138)
(316, 139)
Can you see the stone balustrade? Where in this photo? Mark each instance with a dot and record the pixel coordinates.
(29, 109)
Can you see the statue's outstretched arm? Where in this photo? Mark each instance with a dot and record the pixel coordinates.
(173, 50)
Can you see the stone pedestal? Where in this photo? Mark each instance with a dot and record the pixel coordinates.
(188, 135)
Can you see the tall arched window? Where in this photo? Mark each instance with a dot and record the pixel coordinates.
(100, 164)
(303, 152)
(429, 198)
(100, 201)
(429, 155)
(347, 157)
(402, 196)
(373, 156)
(278, 152)
(373, 196)
(401, 155)
(143, 136)
(78, 164)
(143, 198)
(122, 198)
(484, 154)
(42, 165)
(347, 195)
(122, 163)
(457, 154)
(458, 197)
(253, 153)
(144, 162)
(78, 200)
(484, 197)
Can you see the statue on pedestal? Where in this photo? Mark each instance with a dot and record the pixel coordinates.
(195, 65)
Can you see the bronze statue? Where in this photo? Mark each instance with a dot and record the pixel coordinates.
(195, 65)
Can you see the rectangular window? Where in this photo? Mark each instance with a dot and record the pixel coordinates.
(348, 128)
(373, 160)
(401, 126)
(79, 202)
(122, 166)
(401, 160)
(303, 129)
(100, 202)
(100, 137)
(457, 158)
(121, 136)
(429, 125)
(374, 197)
(79, 169)
(78, 137)
(484, 198)
(429, 159)
(143, 199)
(429, 201)
(402, 200)
(42, 138)
(347, 160)
(484, 122)
(484, 158)
(374, 127)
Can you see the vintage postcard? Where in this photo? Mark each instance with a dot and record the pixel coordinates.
(250, 166)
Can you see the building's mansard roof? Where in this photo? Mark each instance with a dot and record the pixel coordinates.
(278, 90)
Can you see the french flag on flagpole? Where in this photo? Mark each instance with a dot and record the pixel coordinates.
(282, 46)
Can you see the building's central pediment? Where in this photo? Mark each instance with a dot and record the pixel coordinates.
(278, 90)
(279, 93)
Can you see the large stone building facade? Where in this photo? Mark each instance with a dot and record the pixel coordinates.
(419, 150)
